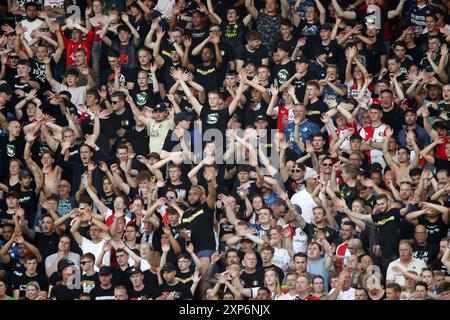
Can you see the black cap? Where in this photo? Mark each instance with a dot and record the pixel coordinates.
(25, 173)
(284, 46)
(66, 93)
(320, 50)
(6, 89)
(260, 117)
(168, 267)
(160, 107)
(326, 26)
(105, 270)
(302, 59)
(135, 271)
(182, 116)
(64, 263)
(375, 167)
(12, 194)
(134, 4)
(376, 107)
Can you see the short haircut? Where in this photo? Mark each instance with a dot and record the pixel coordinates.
(88, 256)
(252, 35)
(381, 196)
(300, 255)
(314, 83)
(394, 286)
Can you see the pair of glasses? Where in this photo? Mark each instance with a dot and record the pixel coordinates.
(84, 262)
(14, 57)
(327, 164)
(115, 102)
(296, 170)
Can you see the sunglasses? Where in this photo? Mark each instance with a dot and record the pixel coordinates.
(14, 57)
(296, 170)
(84, 262)
(327, 164)
(115, 102)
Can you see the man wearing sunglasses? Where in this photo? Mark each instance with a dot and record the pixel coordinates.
(89, 277)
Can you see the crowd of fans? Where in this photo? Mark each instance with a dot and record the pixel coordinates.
(225, 150)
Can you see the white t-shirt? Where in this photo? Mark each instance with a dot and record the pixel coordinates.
(31, 26)
(78, 93)
(286, 296)
(281, 257)
(94, 248)
(416, 265)
(304, 200)
(345, 295)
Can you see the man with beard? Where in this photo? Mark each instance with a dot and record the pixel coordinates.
(198, 219)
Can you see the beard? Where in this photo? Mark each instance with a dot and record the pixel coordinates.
(195, 204)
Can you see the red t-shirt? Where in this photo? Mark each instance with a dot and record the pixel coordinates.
(72, 46)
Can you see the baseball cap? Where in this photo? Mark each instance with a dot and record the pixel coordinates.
(301, 59)
(134, 4)
(182, 116)
(12, 194)
(105, 270)
(135, 271)
(326, 26)
(64, 263)
(160, 107)
(25, 173)
(260, 117)
(168, 267)
(311, 174)
(375, 167)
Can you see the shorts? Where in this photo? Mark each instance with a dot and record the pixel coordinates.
(205, 253)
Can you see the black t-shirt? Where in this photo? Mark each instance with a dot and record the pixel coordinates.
(315, 111)
(139, 140)
(254, 108)
(122, 121)
(181, 189)
(233, 34)
(214, 119)
(98, 293)
(300, 84)
(88, 283)
(251, 279)
(200, 221)
(348, 193)
(28, 201)
(179, 291)
(145, 97)
(427, 253)
(331, 235)
(282, 72)
(373, 63)
(436, 230)
(207, 76)
(441, 164)
(62, 292)
(256, 57)
(394, 118)
(150, 279)
(20, 283)
(47, 244)
(10, 150)
(120, 277)
(388, 224)
(143, 294)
